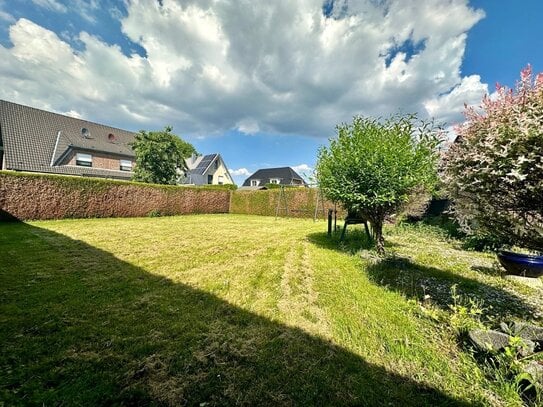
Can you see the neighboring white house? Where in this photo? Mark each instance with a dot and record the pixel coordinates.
(207, 170)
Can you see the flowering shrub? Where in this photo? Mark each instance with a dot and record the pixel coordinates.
(494, 170)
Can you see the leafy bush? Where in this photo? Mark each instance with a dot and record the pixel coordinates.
(372, 167)
(495, 169)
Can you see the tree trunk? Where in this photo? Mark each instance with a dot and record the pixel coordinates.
(378, 235)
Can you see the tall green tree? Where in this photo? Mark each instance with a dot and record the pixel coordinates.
(160, 156)
(372, 166)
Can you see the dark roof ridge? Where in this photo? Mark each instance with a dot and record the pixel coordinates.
(275, 168)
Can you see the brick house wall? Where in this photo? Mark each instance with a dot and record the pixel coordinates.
(100, 160)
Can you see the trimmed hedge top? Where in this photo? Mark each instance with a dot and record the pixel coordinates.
(101, 183)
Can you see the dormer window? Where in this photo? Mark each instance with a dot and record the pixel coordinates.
(84, 160)
(126, 165)
(255, 182)
(275, 181)
(85, 133)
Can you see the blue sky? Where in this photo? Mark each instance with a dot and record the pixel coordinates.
(263, 83)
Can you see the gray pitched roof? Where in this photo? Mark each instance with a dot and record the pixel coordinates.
(284, 174)
(30, 135)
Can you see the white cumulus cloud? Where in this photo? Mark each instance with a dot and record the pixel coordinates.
(302, 168)
(449, 107)
(259, 66)
(240, 172)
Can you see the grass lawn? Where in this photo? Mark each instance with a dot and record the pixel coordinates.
(239, 310)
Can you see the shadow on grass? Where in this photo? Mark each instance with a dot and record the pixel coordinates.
(450, 229)
(416, 281)
(354, 241)
(80, 327)
(489, 271)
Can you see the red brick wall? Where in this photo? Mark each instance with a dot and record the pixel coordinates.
(99, 160)
(38, 196)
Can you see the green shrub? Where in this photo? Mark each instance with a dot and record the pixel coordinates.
(372, 167)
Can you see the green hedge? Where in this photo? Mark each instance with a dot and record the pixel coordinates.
(50, 196)
(300, 202)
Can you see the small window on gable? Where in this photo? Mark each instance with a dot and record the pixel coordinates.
(275, 181)
(210, 179)
(126, 165)
(84, 160)
(255, 182)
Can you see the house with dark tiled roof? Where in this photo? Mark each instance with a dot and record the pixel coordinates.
(207, 169)
(280, 176)
(39, 141)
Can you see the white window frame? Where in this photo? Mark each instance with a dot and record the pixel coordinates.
(83, 159)
(125, 165)
(275, 180)
(220, 180)
(255, 182)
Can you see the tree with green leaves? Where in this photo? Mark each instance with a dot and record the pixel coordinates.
(372, 166)
(160, 156)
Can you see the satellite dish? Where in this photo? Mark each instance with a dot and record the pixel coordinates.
(85, 132)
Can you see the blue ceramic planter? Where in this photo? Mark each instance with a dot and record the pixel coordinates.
(527, 265)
